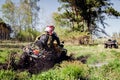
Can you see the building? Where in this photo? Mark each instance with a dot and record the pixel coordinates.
(5, 31)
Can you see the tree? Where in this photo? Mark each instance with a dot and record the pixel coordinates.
(22, 17)
(8, 10)
(29, 10)
(59, 20)
(34, 11)
(70, 15)
(91, 12)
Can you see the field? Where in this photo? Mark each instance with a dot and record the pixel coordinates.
(100, 64)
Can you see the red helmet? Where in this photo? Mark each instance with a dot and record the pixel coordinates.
(52, 27)
(49, 29)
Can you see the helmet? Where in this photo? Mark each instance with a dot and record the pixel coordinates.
(52, 27)
(49, 29)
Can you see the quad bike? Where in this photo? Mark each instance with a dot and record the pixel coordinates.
(35, 52)
(35, 60)
(111, 44)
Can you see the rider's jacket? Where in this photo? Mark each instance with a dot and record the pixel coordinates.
(45, 40)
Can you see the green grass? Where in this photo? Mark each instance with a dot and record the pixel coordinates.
(7, 75)
(11, 75)
(106, 72)
(73, 70)
(96, 53)
(67, 71)
(5, 53)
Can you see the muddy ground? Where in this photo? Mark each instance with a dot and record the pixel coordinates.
(37, 65)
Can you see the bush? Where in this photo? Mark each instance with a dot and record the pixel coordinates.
(74, 70)
(27, 35)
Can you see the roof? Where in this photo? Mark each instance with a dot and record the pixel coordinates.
(7, 26)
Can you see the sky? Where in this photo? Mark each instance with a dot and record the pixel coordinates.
(47, 7)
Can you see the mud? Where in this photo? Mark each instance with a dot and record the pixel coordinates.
(36, 65)
(32, 64)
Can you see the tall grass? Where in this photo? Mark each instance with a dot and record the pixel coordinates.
(4, 55)
(11, 75)
(106, 72)
(7, 75)
(67, 71)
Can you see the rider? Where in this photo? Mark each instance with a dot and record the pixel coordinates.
(46, 40)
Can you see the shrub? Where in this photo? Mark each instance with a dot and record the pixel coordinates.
(74, 70)
(27, 35)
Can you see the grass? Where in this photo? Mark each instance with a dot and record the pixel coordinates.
(11, 75)
(68, 71)
(97, 53)
(73, 70)
(106, 72)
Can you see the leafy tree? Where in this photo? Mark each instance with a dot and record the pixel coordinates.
(90, 12)
(29, 10)
(59, 21)
(34, 11)
(23, 16)
(8, 10)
